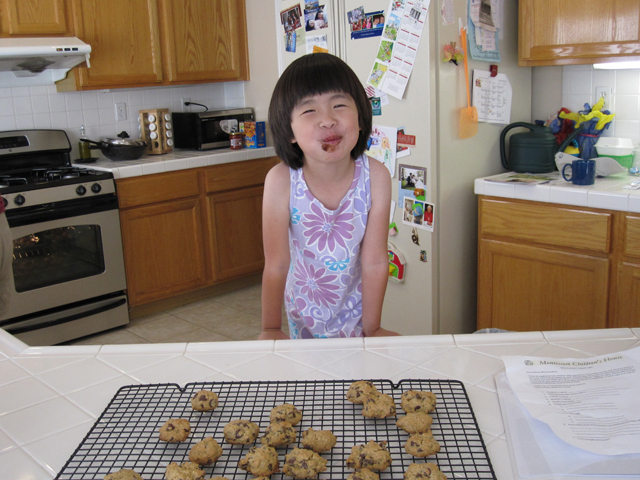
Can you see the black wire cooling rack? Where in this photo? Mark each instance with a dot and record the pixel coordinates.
(126, 434)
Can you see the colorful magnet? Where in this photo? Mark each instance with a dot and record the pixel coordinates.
(396, 264)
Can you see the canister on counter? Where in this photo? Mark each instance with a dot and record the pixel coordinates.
(237, 140)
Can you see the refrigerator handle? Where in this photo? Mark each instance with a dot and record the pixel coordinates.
(338, 12)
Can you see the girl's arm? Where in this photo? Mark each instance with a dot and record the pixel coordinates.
(375, 258)
(275, 237)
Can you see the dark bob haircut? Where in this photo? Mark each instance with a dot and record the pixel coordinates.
(314, 74)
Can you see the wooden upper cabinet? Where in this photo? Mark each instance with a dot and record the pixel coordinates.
(566, 32)
(124, 39)
(204, 40)
(33, 17)
(140, 43)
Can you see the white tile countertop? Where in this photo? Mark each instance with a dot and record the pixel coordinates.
(606, 193)
(50, 397)
(177, 160)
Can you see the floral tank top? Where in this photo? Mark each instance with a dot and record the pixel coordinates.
(323, 293)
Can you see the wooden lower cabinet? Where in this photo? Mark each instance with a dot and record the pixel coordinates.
(544, 266)
(525, 288)
(190, 229)
(628, 296)
(236, 221)
(164, 250)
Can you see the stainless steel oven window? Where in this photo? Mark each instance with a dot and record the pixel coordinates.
(56, 256)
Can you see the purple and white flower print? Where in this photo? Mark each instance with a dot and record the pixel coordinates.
(324, 285)
(315, 285)
(328, 229)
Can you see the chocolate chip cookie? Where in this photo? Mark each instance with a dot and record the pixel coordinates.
(241, 432)
(417, 401)
(204, 401)
(363, 474)
(184, 471)
(424, 471)
(278, 434)
(373, 455)
(422, 445)
(415, 422)
(318, 440)
(205, 452)
(286, 412)
(379, 405)
(360, 390)
(260, 461)
(124, 474)
(175, 430)
(303, 463)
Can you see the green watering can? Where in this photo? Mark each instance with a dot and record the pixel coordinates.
(533, 151)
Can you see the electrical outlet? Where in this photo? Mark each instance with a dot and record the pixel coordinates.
(121, 112)
(603, 92)
(185, 108)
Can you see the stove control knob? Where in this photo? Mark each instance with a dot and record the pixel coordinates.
(95, 188)
(19, 200)
(81, 190)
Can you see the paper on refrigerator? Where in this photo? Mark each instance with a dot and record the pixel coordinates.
(398, 48)
(592, 403)
(492, 97)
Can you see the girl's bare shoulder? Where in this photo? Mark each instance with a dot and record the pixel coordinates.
(278, 175)
(379, 173)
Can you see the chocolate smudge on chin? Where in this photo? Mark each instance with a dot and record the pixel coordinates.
(328, 148)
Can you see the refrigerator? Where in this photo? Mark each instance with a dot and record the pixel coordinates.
(438, 291)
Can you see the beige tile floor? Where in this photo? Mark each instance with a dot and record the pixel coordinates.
(228, 317)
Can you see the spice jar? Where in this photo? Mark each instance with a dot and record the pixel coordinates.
(237, 140)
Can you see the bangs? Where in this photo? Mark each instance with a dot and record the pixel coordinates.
(317, 81)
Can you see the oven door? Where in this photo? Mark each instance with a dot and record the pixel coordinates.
(67, 256)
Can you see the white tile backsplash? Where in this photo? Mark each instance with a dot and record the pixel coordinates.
(579, 84)
(44, 107)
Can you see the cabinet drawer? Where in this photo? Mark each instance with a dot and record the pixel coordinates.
(229, 176)
(632, 236)
(560, 226)
(158, 187)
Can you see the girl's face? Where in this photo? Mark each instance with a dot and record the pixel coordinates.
(326, 127)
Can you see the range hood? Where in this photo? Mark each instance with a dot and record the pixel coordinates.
(39, 61)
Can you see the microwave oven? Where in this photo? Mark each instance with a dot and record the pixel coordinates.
(207, 130)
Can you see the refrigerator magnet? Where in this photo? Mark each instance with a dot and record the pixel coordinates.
(376, 106)
(397, 264)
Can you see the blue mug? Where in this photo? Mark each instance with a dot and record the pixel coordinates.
(583, 172)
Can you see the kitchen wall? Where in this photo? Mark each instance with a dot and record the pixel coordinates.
(573, 86)
(459, 162)
(43, 107)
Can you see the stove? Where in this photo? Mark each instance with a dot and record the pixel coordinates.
(35, 169)
(68, 263)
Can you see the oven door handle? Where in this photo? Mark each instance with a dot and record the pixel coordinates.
(38, 323)
(19, 217)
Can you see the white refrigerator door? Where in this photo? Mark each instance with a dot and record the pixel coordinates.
(306, 36)
(359, 53)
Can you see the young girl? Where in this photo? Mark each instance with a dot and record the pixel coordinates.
(325, 208)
